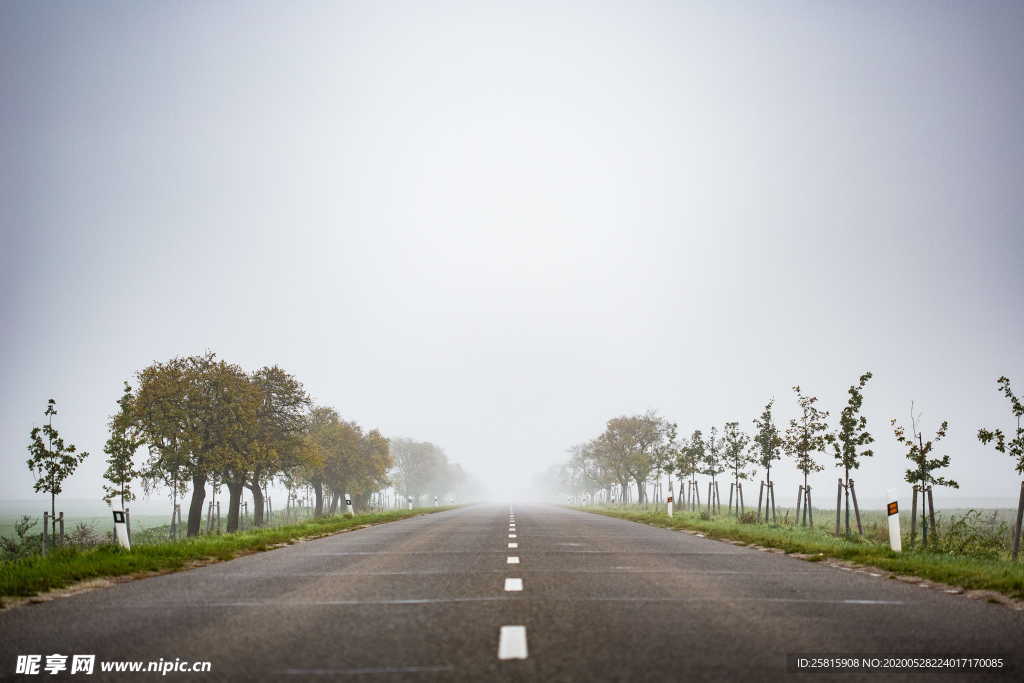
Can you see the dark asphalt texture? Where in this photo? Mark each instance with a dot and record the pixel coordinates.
(423, 599)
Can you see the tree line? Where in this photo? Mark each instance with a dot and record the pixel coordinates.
(203, 423)
(643, 450)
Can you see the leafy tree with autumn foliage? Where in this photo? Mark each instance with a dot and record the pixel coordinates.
(280, 428)
(198, 416)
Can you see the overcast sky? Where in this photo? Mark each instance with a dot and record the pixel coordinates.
(496, 225)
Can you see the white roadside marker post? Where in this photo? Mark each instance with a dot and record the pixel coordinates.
(121, 530)
(669, 502)
(435, 501)
(409, 498)
(348, 506)
(893, 510)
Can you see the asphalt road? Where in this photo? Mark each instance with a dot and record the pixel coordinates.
(425, 599)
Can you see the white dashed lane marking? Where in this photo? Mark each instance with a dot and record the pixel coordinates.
(513, 545)
(513, 584)
(512, 560)
(511, 535)
(512, 642)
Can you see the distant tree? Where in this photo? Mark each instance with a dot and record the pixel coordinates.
(692, 457)
(634, 440)
(1013, 447)
(851, 436)
(711, 463)
(421, 466)
(677, 464)
(51, 461)
(323, 426)
(767, 441)
(609, 458)
(587, 473)
(125, 440)
(665, 455)
(735, 454)
(372, 469)
(806, 434)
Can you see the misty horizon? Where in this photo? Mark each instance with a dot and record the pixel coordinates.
(496, 227)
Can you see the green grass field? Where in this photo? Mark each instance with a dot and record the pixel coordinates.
(971, 573)
(101, 523)
(32, 575)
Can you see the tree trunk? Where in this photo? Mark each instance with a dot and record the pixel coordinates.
(641, 491)
(195, 507)
(334, 502)
(257, 504)
(318, 491)
(234, 504)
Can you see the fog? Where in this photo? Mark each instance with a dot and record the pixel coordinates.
(494, 226)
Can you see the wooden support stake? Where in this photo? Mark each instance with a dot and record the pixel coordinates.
(1017, 528)
(931, 517)
(46, 524)
(808, 508)
(913, 517)
(924, 516)
(856, 508)
(839, 504)
(742, 506)
(799, 500)
(760, 495)
(771, 494)
(60, 524)
(732, 485)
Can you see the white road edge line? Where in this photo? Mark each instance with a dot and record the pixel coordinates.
(513, 584)
(512, 559)
(512, 642)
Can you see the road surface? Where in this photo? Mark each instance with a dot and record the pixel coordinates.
(427, 598)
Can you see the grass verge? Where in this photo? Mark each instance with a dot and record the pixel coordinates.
(33, 575)
(1003, 576)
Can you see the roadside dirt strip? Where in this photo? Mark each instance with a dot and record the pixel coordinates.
(493, 592)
